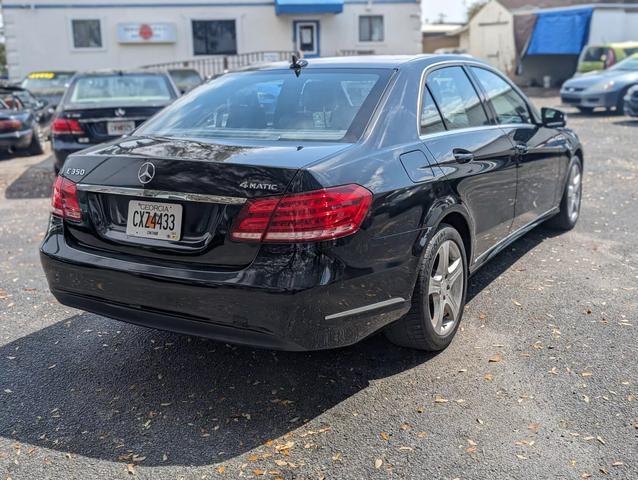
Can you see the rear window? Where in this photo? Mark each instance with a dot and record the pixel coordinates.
(325, 104)
(47, 83)
(120, 88)
(595, 54)
(456, 98)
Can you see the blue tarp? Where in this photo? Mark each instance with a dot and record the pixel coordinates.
(295, 7)
(562, 32)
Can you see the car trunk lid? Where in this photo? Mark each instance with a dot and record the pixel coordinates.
(210, 182)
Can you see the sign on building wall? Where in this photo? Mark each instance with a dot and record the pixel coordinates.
(146, 33)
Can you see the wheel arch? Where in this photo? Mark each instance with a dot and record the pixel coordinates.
(453, 213)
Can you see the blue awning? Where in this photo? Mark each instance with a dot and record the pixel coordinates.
(296, 7)
(562, 32)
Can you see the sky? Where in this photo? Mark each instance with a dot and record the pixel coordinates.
(454, 10)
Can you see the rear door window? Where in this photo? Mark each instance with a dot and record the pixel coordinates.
(456, 98)
(508, 105)
(431, 121)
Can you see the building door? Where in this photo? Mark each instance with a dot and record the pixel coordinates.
(306, 37)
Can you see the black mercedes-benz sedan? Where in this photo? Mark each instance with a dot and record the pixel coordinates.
(309, 205)
(102, 106)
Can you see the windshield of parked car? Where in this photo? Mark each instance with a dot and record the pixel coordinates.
(47, 83)
(628, 64)
(320, 104)
(116, 88)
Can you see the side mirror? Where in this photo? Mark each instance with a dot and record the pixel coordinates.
(552, 118)
(42, 104)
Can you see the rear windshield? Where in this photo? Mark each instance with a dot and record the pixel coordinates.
(325, 104)
(120, 88)
(47, 83)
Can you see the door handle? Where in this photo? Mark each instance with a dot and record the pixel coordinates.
(462, 156)
(521, 149)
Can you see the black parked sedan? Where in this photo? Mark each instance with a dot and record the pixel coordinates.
(307, 206)
(101, 106)
(24, 120)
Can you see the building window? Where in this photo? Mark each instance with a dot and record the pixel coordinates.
(371, 28)
(214, 37)
(86, 33)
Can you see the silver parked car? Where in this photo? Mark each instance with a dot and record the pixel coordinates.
(606, 89)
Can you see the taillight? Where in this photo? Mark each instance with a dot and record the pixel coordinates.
(64, 202)
(303, 217)
(10, 125)
(66, 126)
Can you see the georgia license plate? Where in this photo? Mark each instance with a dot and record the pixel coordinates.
(154, 220)
(120, 128)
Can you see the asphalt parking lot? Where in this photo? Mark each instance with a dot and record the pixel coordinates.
(540, 382)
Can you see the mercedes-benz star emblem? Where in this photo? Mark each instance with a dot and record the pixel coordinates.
(146, 173)
(120, 112)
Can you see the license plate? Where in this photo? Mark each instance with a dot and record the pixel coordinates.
(120, 128)
(161, 221)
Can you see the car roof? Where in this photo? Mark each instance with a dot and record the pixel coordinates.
(368, 61)
(107, 72)
(9, 87)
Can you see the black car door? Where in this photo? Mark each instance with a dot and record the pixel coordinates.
(539, 149)
(475, 155)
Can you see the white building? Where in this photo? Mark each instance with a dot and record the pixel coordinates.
(503, 31)
(92, 34)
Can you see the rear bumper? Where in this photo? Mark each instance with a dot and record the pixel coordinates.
(251, 307)
(21, 139)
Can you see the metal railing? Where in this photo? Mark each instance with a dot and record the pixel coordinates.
(209, 66)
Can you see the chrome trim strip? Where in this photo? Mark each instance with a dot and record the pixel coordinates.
(111, 119)
(516, 234)
(374, 306)
(465, 63)
(161, 194)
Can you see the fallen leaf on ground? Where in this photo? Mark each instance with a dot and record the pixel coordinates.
(377, 463)
(384, 436)
(534, 426)
(496, 358)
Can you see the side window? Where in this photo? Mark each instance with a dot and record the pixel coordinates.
(507, 103)
(458, 101)
(431, 121)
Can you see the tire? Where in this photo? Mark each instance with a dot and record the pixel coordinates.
(567, 218)
(37, 140)
(586, 110)
(417, 329)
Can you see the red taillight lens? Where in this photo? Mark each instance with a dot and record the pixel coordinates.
(64, 202)
(303, 217)
(66, 126)
(10, 125)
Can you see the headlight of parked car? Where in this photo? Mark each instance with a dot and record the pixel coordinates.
(603, 86)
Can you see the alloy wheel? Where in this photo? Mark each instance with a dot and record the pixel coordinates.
(445, 291)
(574, 190)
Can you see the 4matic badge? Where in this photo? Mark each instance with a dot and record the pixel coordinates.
(272, 187)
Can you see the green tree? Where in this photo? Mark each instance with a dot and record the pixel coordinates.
(474, 8)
